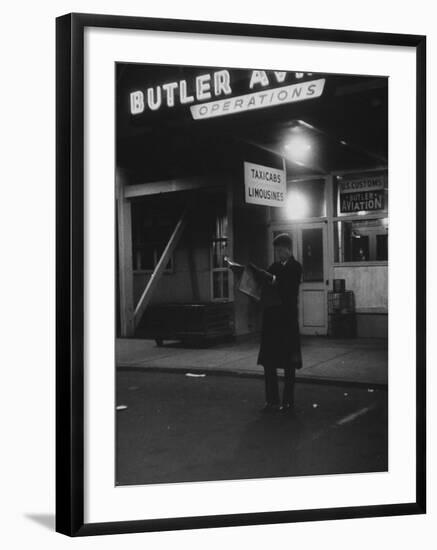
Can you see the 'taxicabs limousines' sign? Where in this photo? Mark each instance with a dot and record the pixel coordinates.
(357, 195)
(264, 185)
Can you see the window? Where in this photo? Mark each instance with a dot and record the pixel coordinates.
(146, 256)
(312, 255)
(381, 247)
(219, 269)
(361, 240)
(361, 207)
(151, 230)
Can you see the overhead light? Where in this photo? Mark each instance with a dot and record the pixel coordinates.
(298, 148)
(306, 125)
(343, 142)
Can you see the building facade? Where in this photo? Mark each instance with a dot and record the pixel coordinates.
(193, 191)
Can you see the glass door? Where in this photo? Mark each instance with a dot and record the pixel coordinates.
(310, 250)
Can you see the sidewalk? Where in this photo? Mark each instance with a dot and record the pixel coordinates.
(351, 361)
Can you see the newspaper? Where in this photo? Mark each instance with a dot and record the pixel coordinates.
(252, 279)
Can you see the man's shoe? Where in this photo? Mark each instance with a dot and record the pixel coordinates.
(287, 407)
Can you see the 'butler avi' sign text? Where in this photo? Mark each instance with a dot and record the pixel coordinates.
(226, 92)
(264, 185)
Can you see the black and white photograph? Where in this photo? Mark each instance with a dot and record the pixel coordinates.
(252, 258)
(217, 297)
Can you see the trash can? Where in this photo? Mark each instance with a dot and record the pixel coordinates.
(339, 285)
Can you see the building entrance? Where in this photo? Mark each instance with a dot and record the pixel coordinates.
(310, 249)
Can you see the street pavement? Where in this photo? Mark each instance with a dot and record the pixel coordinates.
(181, 426)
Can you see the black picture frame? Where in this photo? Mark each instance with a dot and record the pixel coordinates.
(70, 273)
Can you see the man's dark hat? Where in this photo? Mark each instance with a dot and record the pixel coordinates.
(283, 239)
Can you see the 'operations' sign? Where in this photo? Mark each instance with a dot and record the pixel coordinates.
(264, 185)
(259, 100)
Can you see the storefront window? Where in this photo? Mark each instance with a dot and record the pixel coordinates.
(361, 240)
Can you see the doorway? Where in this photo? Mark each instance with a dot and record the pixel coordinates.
(310, 250)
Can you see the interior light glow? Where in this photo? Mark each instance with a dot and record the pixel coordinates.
(298, 147)
(297, 206)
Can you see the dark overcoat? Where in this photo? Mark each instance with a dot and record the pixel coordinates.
(280, 340)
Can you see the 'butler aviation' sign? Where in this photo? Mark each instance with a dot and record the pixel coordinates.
(362, 194)
(224, 92)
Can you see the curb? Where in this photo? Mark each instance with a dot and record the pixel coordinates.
(252, 374)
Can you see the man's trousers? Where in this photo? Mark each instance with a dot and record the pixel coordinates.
(272, 389)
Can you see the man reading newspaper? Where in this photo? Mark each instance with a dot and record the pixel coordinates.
(277, 289)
